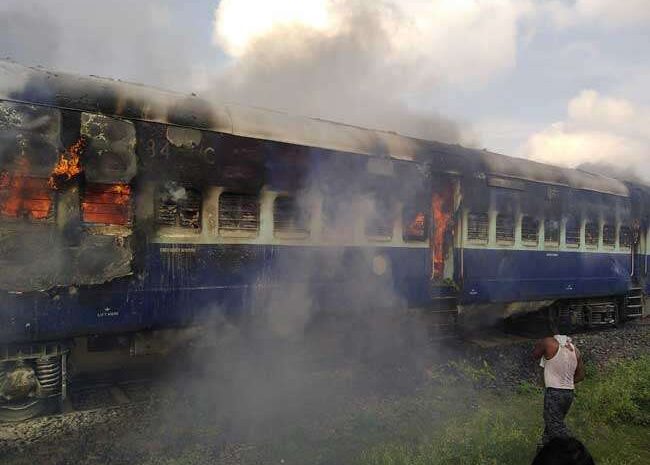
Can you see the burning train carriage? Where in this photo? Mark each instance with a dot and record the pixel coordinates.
(125, 209)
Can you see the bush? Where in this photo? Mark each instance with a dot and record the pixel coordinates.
(620, 395)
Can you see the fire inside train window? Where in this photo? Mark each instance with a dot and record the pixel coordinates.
(591, 233)
(415, 225)
(551, 232)
(25, 198)
(379, 222)
(609, 235)
(179, 206)
(572, 232)
(625, 237)
(239, 212)
(106, 204)
(505, 228)
(477, 227)
(289, 216)
(529, 229)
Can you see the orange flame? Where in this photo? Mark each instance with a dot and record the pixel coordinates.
(417, 227)
(107, 204)
(441, 221)
(123, 192)
(68, 165)
(22, 196)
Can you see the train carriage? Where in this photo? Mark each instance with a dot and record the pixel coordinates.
(126, 209)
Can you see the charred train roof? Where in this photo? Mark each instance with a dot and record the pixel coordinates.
(135, 101)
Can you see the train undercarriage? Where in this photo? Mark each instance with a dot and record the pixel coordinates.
(34, 376)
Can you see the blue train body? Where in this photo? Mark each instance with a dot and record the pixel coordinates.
(185, 209)
(125, 209)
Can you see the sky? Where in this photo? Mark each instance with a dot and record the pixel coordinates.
(559, 81)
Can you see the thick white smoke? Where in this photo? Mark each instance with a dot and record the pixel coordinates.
(378, 64)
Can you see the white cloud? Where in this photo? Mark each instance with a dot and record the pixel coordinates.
(603, 13)
(598, 130)
(614, 12)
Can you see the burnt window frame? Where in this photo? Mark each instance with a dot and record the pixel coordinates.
(386, 215)
(238, 231)
(409, 214)
(8, 189)
(556, 241)
(178, 217)
(610, 244)
(301, 228)
(627, 246)
(510, 239)
(468, 230)
(573, 244)
(98, 191)
(596, 227)
(526, 241)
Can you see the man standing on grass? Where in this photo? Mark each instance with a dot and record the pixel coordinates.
(563, 367)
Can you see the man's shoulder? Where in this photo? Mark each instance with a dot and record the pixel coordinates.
(551, 346)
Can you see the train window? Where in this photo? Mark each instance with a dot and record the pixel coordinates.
(415, 225)
(477, 227)
(591, 233)
(179, 206)
(572, 236)
(609, 235)
(239, 212)
(288, 216)
(529, 229)
(505, 228)
(27, 198)
(625, 237)
(107, 204)
(379, 222)
(551, 232)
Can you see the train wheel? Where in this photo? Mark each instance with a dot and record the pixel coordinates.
(21, 411)
(30, 388)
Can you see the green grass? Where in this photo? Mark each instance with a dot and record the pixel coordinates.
(450, 420)
(611, 415)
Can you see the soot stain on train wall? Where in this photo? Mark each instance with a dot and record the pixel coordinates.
(58, 168)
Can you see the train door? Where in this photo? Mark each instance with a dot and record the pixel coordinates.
(635, 238)
(441, 241)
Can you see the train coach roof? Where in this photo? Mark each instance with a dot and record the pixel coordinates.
(134, 101)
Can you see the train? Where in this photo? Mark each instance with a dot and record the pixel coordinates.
(126, 210)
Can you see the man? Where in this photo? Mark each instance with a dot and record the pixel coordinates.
(563, 367)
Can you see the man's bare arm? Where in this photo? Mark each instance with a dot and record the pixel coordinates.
(579, 375)
(540, 349)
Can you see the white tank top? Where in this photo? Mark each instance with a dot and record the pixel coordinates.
(559, 370)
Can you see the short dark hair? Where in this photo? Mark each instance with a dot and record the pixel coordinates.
(563, 451)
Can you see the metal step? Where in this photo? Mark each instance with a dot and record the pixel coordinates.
(634, 302)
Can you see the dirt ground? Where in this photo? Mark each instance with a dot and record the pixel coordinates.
(249, 408)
